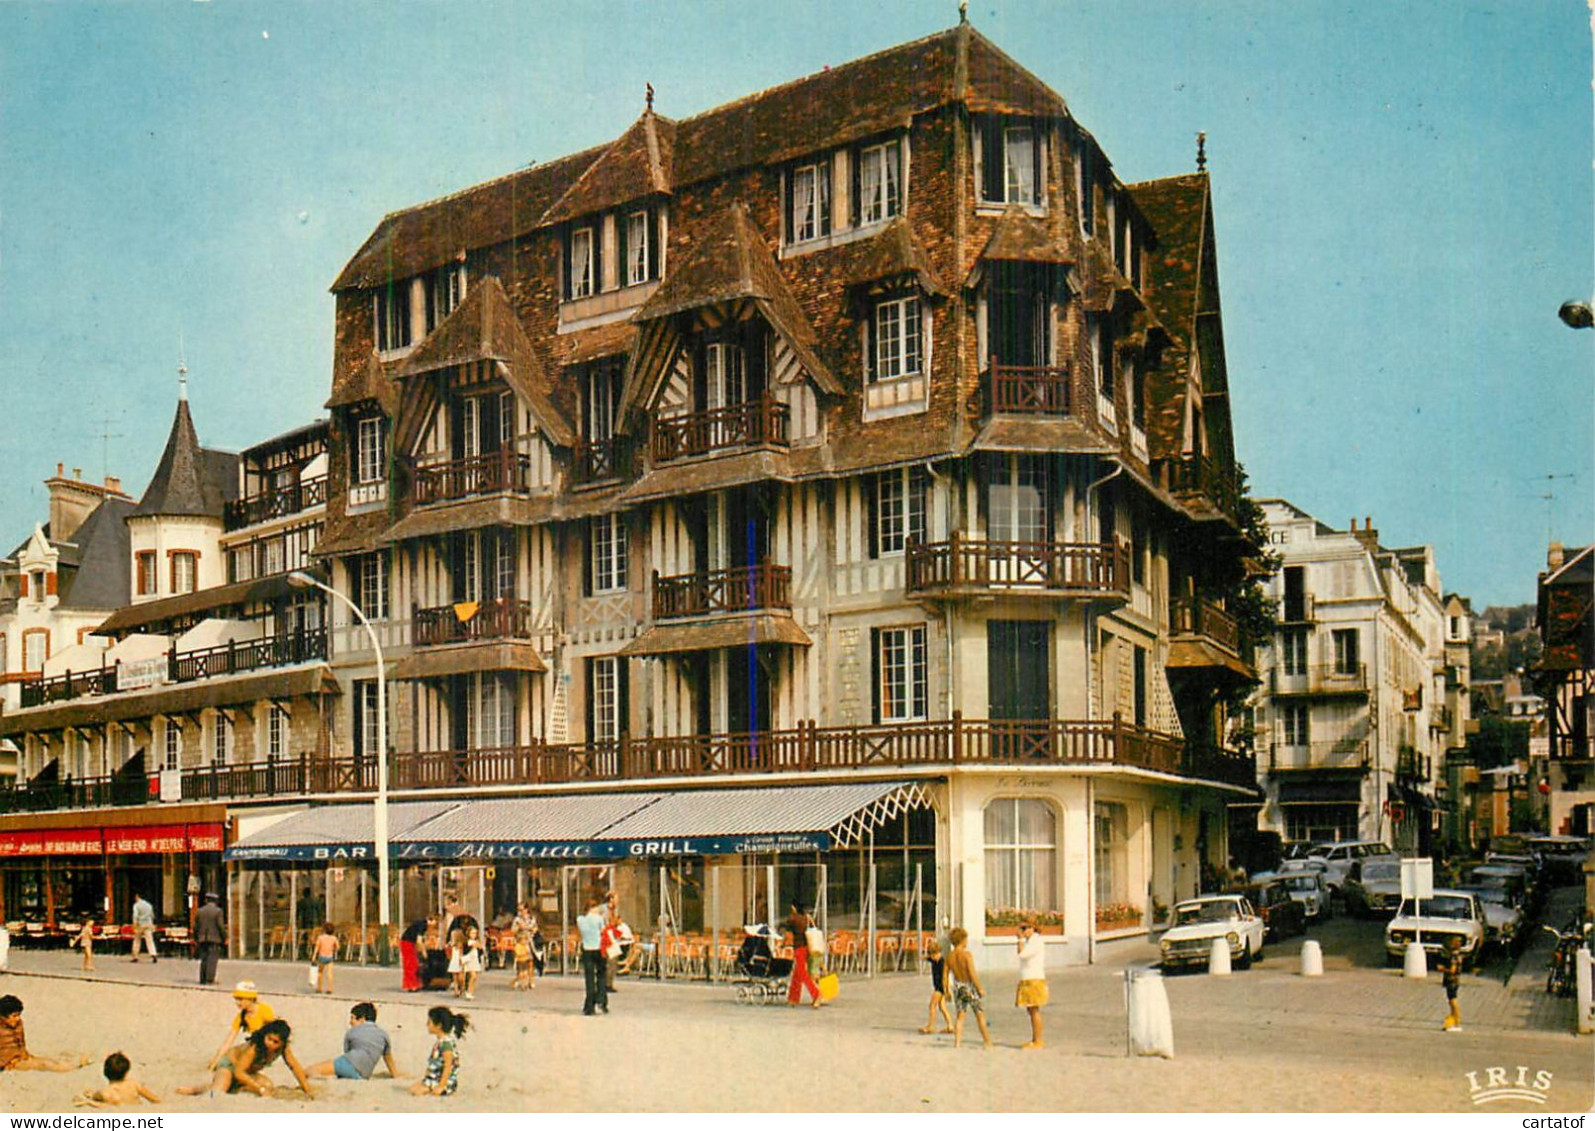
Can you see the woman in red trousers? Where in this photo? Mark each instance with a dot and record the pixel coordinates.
(798, 925)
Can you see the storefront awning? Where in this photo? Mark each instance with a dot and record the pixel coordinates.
(663, 639)
(596, 826)
(1320, 791)
(129, 840)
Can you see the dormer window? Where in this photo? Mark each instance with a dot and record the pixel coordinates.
(38, 586)
(582, 262)
(393, 317)
(808, 190)
(371, 456)
(1085, 183)
(1010, 160)
(641, 257)
(897, 339)
(879, 182)
(445, 289)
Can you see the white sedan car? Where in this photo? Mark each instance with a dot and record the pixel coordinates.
(1434, 920)
(1306, 887)
(1197, 922)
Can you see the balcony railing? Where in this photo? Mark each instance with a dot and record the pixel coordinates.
(762, 586)
(763, 421)
(279, 502)
(1196, 616)
(489, 474)
(1336, 754)
(75, 793)
(502, 618)
(1199, 475)
(247, 655)
(1215, 763)
(1297, 610)
(1051, 568)
(1413, 766)
(594, 461)
(1321, 679)
(1041, 390)
(97, 681)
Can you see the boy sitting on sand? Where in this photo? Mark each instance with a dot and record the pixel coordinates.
(14, 1054)
(119, 1087)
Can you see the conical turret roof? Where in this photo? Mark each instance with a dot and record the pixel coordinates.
(190, 480)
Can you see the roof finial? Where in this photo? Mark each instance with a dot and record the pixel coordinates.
(182, 370)
(963, 12)
(1201, 151)
(650, 87)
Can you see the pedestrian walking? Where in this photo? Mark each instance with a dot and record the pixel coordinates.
(473, 957)
(594, 972)
(443, 1063)
(210, 935)
(253, 1015)
(326, 953)
(938, 989)
(85, 943)
(797, 925)
(412, 951)
(1032, 992)
(1450, 967)
(968, 994)
(143, 927)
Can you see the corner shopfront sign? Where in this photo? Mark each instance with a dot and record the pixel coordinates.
(136, 840)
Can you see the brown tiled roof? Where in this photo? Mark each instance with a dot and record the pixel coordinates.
(1021, 434)
(893, 253)
(432, 234)
(852, 101)
(763, 628)
(363, 380)
(189, 480)
(590, 345)
(352, 533)
(473, 514)
(1177, 208)
(483, 328)
(638, 164)
(718, 473)
(1019, 237)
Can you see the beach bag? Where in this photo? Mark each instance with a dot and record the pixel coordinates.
(830, 985)
(312, 978)
(814, 939)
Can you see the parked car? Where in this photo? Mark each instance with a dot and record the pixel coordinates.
(1503, 920)
(1306, 887)
(1282, 916)
(1339, 857)
(1197, 922)
(1373, 886)
(1433, 921)
(1562, 856)
(1528, 868)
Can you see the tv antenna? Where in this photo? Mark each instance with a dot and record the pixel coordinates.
(1549, 496)
(106, 436)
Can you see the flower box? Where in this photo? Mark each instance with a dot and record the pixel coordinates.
(1013, 931)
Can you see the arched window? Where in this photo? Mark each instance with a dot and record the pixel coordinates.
(1021, 857)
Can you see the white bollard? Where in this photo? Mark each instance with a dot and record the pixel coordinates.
(1218, 958)
(1582, 975)
(1150, 1027)
(1312, 959)
(1417, 963)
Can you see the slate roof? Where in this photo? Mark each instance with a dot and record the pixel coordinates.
(852, 101)
(189, 480)
(101, 553)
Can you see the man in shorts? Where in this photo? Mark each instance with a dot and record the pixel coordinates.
(363, 1045)
(1032, 992)
(966, 989)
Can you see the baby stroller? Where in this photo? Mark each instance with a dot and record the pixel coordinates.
(761, 977)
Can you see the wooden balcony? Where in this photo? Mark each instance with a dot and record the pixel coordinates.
(962, 566)
(1028, 390)
(763, 422)
(503, 618)
(1199, 477)
(247, 655)
(598, 461)
(75, 793)
(740, 590)
(96, 681)
(280, 502)
(1197, 616)
(491, 474)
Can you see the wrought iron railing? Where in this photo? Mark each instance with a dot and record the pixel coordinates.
(762, 586)
(750, 423)
(1041, 390)
(489, 474)
(278, 502)
(498, 619)
(1064, 568)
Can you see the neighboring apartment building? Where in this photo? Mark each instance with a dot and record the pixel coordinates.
(829, 496)
(1567, 627)
(1356, 708)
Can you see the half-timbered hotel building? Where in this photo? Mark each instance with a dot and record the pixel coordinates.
(826, 496)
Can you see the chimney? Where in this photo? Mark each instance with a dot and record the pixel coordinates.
(1556, 555)
(1368, 536)
(113, 484)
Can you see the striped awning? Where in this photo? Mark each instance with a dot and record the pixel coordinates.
(596, 826)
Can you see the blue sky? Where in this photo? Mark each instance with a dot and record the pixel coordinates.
(1403, 198)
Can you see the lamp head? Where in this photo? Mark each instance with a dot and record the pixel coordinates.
(299, 579)
(1577, 314)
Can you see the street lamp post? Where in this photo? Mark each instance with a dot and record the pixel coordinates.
(301, 580)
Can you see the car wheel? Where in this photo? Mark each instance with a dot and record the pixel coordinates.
(1245, 960)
